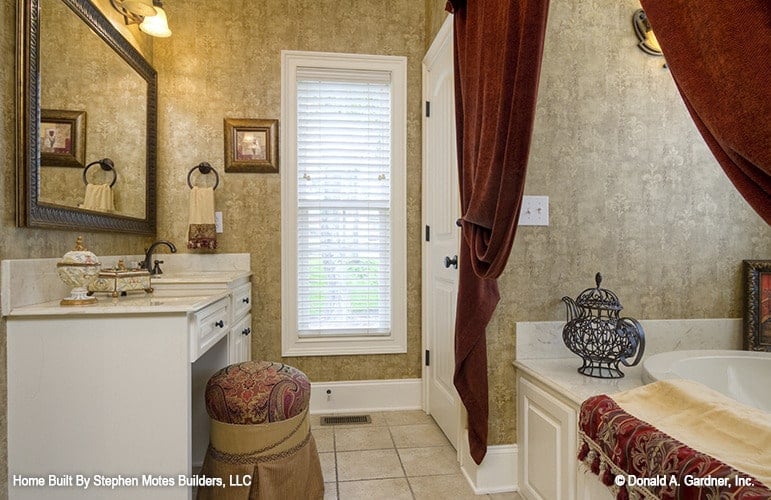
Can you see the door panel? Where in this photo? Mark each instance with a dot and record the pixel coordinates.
(441, 209)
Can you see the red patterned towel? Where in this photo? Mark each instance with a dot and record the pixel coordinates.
(653, 464)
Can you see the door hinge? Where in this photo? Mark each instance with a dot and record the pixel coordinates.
(428, 232)
(428, 357)
(428, 109)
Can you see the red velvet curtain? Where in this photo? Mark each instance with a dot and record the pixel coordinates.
(498, 48)
(719, 54)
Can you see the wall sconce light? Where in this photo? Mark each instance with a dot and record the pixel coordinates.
(642, 28)
(148, 14)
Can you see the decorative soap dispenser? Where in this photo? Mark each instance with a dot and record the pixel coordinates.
(596, 333)
(78, 268)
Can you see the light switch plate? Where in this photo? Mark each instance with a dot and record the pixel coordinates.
(218, 221)
(534, 211)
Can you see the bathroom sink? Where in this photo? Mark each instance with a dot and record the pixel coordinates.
(181, 283)
(186, 276)
(153, 300)
(166, 300)
(196, 276)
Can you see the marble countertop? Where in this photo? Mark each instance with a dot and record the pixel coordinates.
(31, 282)
(560, 374)
(541, 352)
(136, 303)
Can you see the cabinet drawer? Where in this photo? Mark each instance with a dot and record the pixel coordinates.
(242, 300)
(243, 326)
(240, 340)
(208, 326)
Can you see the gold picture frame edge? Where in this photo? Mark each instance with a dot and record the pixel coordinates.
(753, 336)
(270, 165)
(77, 121)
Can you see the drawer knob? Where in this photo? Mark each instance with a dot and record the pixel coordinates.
(245, 300)
(246, 331)
(220, 323)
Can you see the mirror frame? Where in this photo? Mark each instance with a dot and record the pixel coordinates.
(30, 212)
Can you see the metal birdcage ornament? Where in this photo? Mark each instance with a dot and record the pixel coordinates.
(595, 332)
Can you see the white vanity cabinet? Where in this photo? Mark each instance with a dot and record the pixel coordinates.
(549, 397)
(110, 394)
(547, 437)
(239, 289)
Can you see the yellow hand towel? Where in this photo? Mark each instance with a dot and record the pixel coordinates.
(98, 197)
(201, 232)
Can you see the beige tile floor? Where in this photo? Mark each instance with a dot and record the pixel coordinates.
(400, 455)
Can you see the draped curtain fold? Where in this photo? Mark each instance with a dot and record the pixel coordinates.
(498, 47)
(719, 54)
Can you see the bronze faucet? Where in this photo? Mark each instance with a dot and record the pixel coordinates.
(156, 269)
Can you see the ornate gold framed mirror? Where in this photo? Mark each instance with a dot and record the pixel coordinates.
(71, 61)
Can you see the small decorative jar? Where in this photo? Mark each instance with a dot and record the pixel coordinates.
(595, 332)
(78, 268)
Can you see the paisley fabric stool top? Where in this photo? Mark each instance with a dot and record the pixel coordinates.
(257, 392)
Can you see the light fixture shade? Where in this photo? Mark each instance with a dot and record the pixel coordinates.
(139, 7)
(156, 25)
(651, 42)
(644, 32)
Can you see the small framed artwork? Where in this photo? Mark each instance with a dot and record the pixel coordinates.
(62, 138)
(757, 305)
(251, 145)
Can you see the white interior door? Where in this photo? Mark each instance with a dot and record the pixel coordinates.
(441, 209)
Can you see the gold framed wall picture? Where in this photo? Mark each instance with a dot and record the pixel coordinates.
(62, 138)
(757, 305)
(251, 145)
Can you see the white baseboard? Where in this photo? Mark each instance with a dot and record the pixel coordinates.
(498, 471)
(356, 396)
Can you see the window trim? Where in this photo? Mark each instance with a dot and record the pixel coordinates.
(291, 343)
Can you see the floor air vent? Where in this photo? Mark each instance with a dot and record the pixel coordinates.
(346, 419)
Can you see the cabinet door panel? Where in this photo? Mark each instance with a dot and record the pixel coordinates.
(240, 340)
(547, 440)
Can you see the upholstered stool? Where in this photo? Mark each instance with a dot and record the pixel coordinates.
(260, 444)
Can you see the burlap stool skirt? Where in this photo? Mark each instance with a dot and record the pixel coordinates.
(260, 443)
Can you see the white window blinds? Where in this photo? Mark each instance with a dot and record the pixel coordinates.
(343, 202)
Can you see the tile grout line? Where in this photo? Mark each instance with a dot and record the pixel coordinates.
(401, 463)
(393, 445)
(337, 472)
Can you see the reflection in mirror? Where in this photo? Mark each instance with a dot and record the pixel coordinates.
(99, 195)
(97, 104)
(79, 72)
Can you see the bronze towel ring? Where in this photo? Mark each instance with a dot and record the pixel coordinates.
(204, 168)
(107, 165)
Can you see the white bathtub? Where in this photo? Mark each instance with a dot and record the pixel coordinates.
(741, 375)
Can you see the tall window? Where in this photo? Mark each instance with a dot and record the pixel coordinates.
(343, 204)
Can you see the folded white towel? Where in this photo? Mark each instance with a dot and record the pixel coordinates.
(98, 197)
(201, 231)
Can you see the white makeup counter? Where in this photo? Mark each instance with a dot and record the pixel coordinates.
(112, 393)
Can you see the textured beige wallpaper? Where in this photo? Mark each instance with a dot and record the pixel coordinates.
(435, 15)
